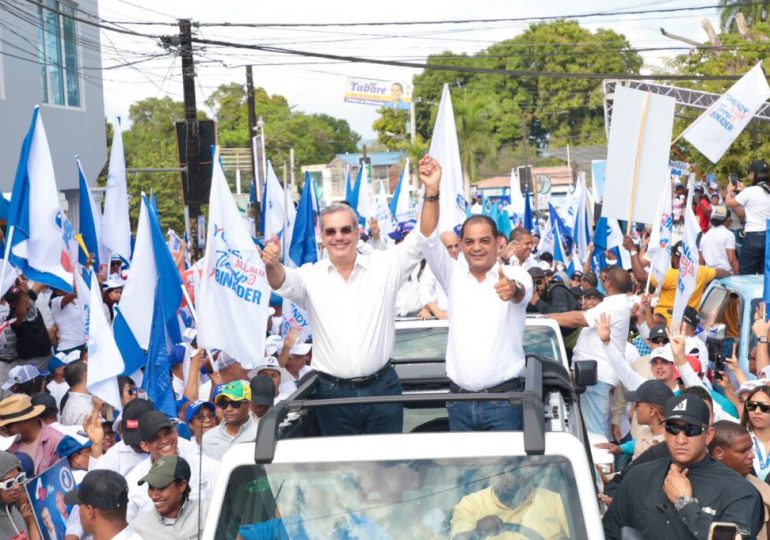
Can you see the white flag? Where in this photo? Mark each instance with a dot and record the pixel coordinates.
(517, 199)
(364, 189)
(445, 149)
(116, 230)
(279, 212)
(688, 265)
(659, 248)
(104, 360)
(234, 293)
(716, 129)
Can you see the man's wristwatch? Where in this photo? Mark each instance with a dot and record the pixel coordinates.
(762, 339)
(683, 501)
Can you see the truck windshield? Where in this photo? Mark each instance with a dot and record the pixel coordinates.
(525, 497)
(431, 343)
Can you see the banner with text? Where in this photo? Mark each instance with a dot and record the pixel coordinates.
(389, 94)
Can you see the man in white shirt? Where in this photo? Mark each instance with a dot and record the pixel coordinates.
(432, 295)
(125, 454)
(717, 246)
(487, 311)
(752, 204)
(79, 403)
(595, 402)
(349, 300)
(519, 249)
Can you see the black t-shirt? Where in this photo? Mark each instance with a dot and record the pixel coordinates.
(32, 340)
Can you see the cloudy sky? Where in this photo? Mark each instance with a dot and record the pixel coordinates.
(316, 85)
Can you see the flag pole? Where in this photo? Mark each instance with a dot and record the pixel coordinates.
(195, 318)
(639, 145)
(8, 242)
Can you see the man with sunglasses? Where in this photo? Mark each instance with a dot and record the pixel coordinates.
(350, 301)
(681, 495)
(16, 516)
(237, 425)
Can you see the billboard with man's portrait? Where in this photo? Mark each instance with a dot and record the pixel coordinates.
(391, 94)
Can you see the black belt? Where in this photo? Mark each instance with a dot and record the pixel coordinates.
(507, 386)
(356, 382)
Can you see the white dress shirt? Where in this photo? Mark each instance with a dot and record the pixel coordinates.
(590, 347)
(353, 321)
(486, 334)
(432, 291)
(127, 534)
(138, 497)
(408, 296)
(120, 458)
(77, 408)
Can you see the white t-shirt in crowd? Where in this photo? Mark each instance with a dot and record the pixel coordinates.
(7, 336)
(69, 321)
(713, 246)
(756, 203)
(57, 391)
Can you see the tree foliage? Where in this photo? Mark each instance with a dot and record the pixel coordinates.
(754, 13)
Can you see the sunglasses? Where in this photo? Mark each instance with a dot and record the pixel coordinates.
(225, 403)
(13, 482)
(754, 405)
(689, 430)
(133, 391)
(659, 341)
(331, 231)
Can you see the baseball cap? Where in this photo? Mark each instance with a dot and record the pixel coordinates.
(102, 488)
(662, 352)
(760, 167)
(195, 407)
(262, 390)
(691, 316)
(300, 349)
(113, 282)
(151, 423)
(62, 359)
(8, 462)
(71, 444)
(165, 470)
(719, 213)
(592, 291)
(21, 375)
(694, 362)
(130, 423)
(689, 408)
(653, 391)
(658, 331)
(536, 272)
(177, 354)
(235, 391)
(577, 274)
(268, 362)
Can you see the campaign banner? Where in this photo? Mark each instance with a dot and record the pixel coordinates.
(46, 493)
(293, 316)
(716, 129)
(391, 94)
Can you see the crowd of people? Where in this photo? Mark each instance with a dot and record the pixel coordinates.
(692, 442)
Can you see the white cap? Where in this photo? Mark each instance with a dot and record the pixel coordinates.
(273, 345)
(113, 282)
(268, 362)
(300, 349)
(748, 386)
(20, 375)
(223, 360)
(662, 352)
(69, 357)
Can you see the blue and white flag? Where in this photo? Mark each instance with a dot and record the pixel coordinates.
(581, 227)
(348, 188)
(516, 208)
(689, 265)
(90, 224)
(361, 195)
(766, 291)
(157, 373)
(278, 212)
(714, 131)
(659, 247)
(234, 294)
(39, 232)
(400, 207)
(528, 221)
(446, 150)
(303, 247)
(105, 362)
(116, 229)
(152, 268)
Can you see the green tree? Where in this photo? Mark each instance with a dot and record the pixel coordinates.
(754, 12)
(391, 128)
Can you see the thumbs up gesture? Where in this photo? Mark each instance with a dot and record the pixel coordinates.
(505, 288)
(272, 252)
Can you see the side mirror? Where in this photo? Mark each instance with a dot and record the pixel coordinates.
(585, 374)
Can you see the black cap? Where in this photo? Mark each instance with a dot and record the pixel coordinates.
(151, 423)
(262, 390)
(130, 424)
(592, 291)
(658, 331)
(691, 316)
(577, 274)
(760, 168)
(101, 488)
(536, 272)
(652, 391)
(46, 400)
(689, 408)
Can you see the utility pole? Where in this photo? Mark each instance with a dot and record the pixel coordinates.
(252, 132)
(192, 146)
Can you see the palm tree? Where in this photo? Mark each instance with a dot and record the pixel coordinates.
(754, 12)
(474, 134)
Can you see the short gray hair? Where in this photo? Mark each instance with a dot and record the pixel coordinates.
(335, 207)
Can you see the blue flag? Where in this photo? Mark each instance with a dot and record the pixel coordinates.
(154, 204)
(766, 292)
(504, 223)
(90, 222)
(157, 373)
(527, 211)
(349, 191)
(303, 246)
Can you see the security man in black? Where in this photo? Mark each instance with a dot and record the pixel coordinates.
(679, 497)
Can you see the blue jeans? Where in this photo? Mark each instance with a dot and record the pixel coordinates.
(595, 406)
(360, 419)
(752, 260)
(484, 416)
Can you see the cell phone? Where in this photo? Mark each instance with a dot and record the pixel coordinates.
(734, 179)
(723, 531)
(726, 352)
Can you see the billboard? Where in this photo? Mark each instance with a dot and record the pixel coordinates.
(390, 94)
(46, 493)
